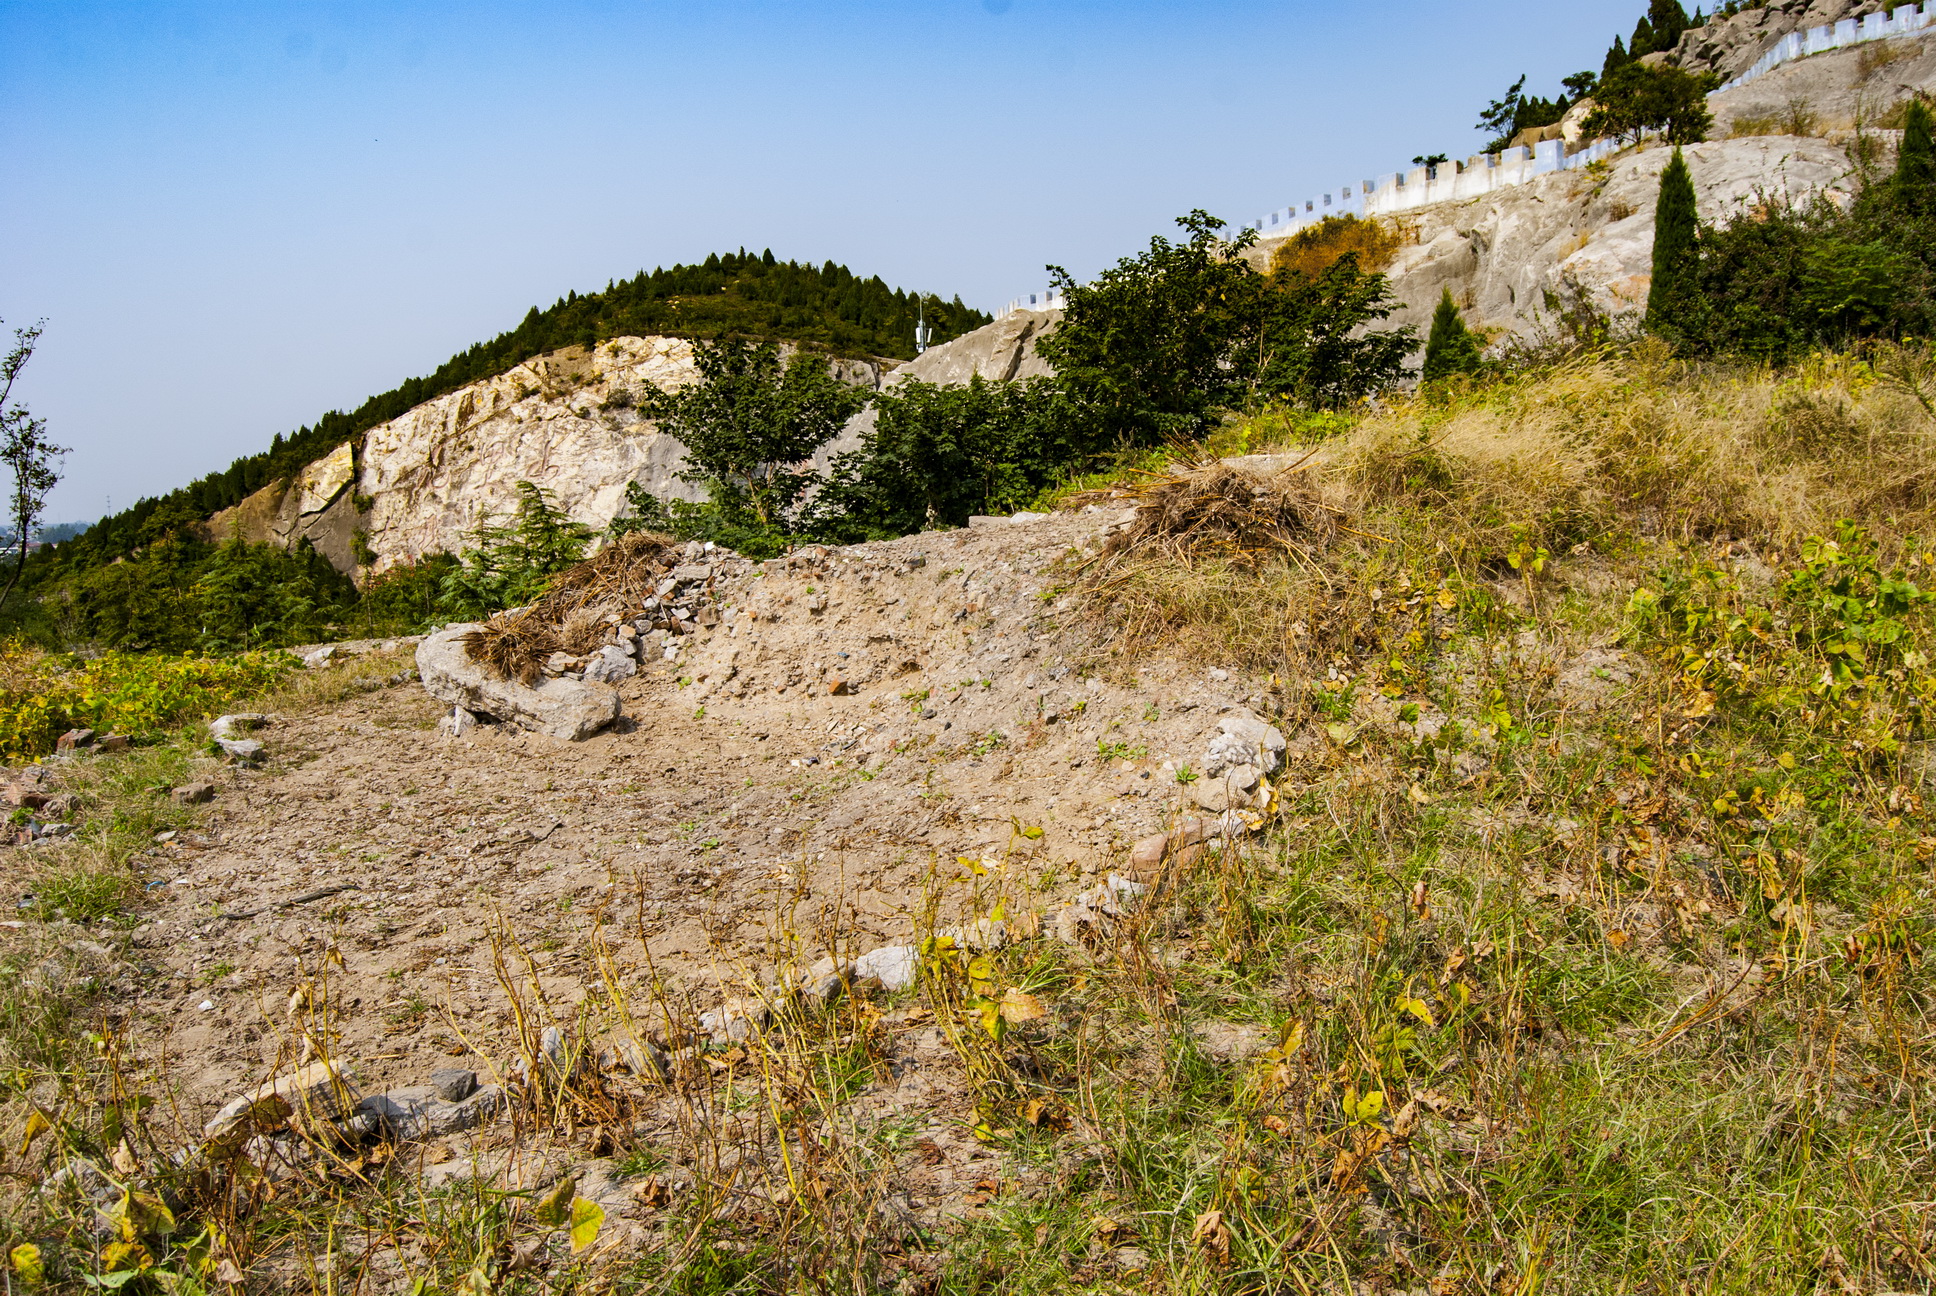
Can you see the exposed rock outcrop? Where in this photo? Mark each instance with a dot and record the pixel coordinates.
(558, 708)
(317, 505)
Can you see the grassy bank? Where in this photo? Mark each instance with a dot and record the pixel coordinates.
(1584, 950)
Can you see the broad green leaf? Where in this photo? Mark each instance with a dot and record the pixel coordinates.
(587, 1217)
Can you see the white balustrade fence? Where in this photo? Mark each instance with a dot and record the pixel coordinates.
(1456, 181)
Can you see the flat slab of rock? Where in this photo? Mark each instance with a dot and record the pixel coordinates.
(558, 708)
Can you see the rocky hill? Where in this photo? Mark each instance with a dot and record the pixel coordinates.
(420, 483)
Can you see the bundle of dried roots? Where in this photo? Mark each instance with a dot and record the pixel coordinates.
(577, 606)
(1208, 509)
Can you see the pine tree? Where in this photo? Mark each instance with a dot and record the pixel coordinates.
(1452, 347)
(1642, 43)
(1617, 58)
(1668, 20)
(1915, 180)
(1675, 290)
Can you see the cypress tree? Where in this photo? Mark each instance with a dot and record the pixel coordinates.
(1915, 180)
(1451, 347)
(1643, 40)
(1671, 299)
(1617, 58)
(1668, 20)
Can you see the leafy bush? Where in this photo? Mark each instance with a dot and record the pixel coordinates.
(1316, 248)
(937, 455)
(138, 694)
(1161, 344)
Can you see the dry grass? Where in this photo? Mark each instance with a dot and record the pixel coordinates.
(572, 616)
(1310, 252)
(1206, 510)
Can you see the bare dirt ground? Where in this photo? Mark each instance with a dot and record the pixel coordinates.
(803, 778)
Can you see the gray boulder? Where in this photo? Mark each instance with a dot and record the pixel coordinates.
(611, 664)
(557, 708)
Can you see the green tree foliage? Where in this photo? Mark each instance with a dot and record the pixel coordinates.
(255, 595)
(1673, 296)
(1638, 98)
(1159, 345)
(1506, 117)
(27, 451)
(509, 563)
(1778, 278)
(936, 456)
(1308, 343)
(750, 295)
(1617, 58)
(750, 424)
(1451, 347)
(1915, 177)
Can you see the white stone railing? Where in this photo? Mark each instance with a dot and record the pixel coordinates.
(1421, 186)
(1049, 298)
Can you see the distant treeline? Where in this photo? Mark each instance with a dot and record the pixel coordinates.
(753, 295)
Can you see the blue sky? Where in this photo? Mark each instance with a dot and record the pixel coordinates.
(237, 216)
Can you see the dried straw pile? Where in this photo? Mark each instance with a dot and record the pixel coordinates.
(1208, 510)
(575, 613)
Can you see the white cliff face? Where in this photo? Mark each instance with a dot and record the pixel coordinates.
(1500, 255)
(435, 473)
(565, 421)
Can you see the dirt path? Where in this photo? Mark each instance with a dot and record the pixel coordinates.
(745, 814)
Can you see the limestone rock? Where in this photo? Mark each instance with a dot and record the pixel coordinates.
(243, 751)
(192, 794)
(228, 726)
(453, 1084)
(558, 708)
(894, 966)
(418, 1112)
(313, 1096)
(611, 664)
(735, 1020)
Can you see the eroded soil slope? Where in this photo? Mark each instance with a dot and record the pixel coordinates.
(744, 811)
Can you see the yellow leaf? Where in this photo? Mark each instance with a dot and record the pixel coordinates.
(26, 1263)
(1417, 1008)
(972, 865)
(555, 1208)
(982, 969)
(36, 1126)
(586, 1218)
(1418, 794)
(1341, 733)
(1017, 1007)
(1033, 834)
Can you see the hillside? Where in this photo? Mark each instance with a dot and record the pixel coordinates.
(1786, 137)
(901, 935)
(755, 296)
